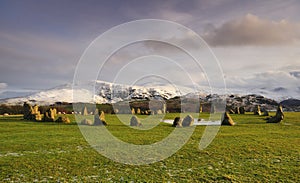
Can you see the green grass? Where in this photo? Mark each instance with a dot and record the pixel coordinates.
(251, 151)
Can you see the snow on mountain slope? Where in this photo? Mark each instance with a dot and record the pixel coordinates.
(51, 96)
(106, 92)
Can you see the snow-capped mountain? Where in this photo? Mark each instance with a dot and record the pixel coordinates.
(99, 92)
(106, 92)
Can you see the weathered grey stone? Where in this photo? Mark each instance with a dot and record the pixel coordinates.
(187, 121)
(134, 121)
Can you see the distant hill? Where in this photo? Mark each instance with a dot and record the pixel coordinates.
(106, 92)
(291, 104)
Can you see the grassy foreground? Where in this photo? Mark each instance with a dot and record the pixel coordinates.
(251, 151)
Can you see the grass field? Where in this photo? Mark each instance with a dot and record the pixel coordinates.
(251, 151)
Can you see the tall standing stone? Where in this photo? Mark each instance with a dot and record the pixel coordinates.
(257, 110)
(84, 111)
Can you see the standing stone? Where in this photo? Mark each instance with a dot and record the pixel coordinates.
(49, 115)
(86, 122)
(99, 120)
(278, 117)
(213, 109)
(257, 110)
(237, 110)
(265, 113)
(138, 111)
(84, 111)
(31, 113)
(164, 108)
(200, 110)
(102, 116)
(187, 121)
(63, 119)
(27, 108)
(52, 113)
(38, 117)
(242, 110)
(134, 121)
(177, 122)
(231, 111)
(133, 111)
(158, 111)
(227, 120)
(35, 109)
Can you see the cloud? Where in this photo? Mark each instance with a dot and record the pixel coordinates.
(268, 79)
(252, 30)
(51, 58)
(3, 85)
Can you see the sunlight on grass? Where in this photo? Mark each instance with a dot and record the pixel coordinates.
(251, 151)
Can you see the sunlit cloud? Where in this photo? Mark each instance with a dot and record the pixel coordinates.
(253, 30)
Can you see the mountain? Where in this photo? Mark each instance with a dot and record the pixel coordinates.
(106, 92)
(291, 104)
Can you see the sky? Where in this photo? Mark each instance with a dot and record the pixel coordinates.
(256, 42)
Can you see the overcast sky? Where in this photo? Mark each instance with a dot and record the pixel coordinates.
(256, 42)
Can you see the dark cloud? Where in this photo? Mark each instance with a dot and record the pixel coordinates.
(252, 30)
